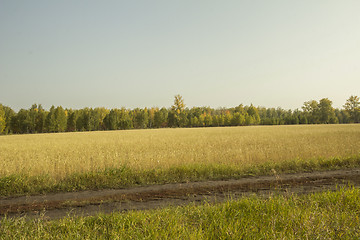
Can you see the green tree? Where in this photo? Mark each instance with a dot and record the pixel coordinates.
(207, 120)
(227, 118)
(112, 120)
(342, 116)
(221, 119)
(238, 119)
(254, 114)
(125, 119)
(151, 114)
(40, 119)
(161, 118)
(61, 119)
(71, 121)
(311, 111)
(102, 112)
(14, 124)
(2, 119)
(194, 122)
(9, 114)
(56, 120)
(352, 106)
(249, 120)
(240, 109)
(126, 122)
(215, 121)
(32, 115)
(50, 121)
(141, 118)
(201, 120)
(118, 119)
(326, 111)
(23, 121)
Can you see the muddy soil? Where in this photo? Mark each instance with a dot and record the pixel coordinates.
(87, 203)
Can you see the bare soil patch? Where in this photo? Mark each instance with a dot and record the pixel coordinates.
(87, 203)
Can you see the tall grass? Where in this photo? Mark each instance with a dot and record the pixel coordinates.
(18, 184)
(61, 155)
(329, 215)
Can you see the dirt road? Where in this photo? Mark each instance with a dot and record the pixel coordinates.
(86, 203)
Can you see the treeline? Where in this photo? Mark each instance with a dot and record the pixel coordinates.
(57, 119)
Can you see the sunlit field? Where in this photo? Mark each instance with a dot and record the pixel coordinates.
(61, 154)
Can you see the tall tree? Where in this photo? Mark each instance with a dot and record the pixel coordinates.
(179, 104)
(161, 118)
(208, 119)
(126, 121)
(311, 111)
(254, 114)
(326, 111)
(71, 121)
(33, 113)
(227, 118)
(2, 119)
(141, 118)
(352, 106)
(9, 115)
(23, 121)
(40, 119)
(178, 114)
(112, 119)
(151, 114)
(238, 119)
(61, 119)
(101, 114)
(50, 121)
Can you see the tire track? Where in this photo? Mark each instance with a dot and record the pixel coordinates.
(87, 203)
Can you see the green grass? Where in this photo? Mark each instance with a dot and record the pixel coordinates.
(128, 177)
(328, 215)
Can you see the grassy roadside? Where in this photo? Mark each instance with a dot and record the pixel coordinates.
(328, 215)
(127, 177)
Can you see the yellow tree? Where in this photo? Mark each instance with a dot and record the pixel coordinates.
(179, 104)
(178, 111)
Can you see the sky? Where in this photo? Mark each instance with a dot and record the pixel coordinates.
(140, 53)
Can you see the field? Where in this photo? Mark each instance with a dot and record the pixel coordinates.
(60, 155)
(137, 168)
(95, 160)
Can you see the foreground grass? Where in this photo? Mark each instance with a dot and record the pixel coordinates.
(127, 177)
(329, 215)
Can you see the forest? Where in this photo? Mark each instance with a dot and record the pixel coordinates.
(57, 119)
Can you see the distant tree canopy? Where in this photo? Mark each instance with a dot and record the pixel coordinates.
(319, 112)
(57, 119)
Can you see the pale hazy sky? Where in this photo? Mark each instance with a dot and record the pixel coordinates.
(277, 53)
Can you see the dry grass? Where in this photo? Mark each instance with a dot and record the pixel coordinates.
(59, 155)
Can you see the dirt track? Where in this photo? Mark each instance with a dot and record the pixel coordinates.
(53, 206)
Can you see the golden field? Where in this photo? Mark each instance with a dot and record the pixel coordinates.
(61, 154)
